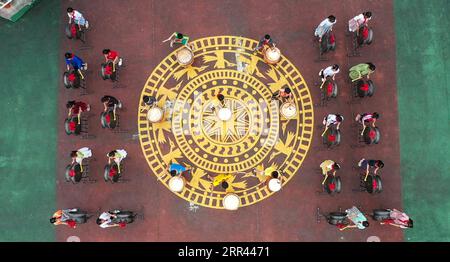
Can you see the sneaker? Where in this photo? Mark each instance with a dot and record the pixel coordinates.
(119, 105)
(86, 24)
(120, 62)
(85, 66)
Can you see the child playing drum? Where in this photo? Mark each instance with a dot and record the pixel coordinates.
(266, 40)
(179, 38)
(284, 95)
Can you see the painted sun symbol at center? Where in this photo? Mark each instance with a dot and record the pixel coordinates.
(230, 130)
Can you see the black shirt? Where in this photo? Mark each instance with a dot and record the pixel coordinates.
(112, 101)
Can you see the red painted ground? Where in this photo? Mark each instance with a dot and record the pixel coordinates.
(136, 28)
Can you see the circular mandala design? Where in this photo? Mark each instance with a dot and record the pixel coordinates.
(255, 135)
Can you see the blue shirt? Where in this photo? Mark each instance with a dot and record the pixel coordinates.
(177, 167)
(75, 61)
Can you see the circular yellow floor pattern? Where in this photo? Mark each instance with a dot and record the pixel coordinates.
(255, 136)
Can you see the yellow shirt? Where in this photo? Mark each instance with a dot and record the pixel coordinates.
(268, 171)
(221, 178)
(326, 166)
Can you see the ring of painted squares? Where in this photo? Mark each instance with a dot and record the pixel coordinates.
(255, 136)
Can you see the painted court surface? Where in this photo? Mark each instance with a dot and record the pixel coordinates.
(411, 97)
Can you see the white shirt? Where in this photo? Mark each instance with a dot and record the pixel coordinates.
(360, 19)
(331, 119)
(76, 15)
(329, 71)
(367, 117)
(107, 218)
(327, 23)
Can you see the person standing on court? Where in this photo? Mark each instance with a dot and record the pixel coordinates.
(77, 18)
(325, 26)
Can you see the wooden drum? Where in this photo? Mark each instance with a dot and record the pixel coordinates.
(231, 202)
(288, 110)
(272, 55)
(176, 184)
(274, 185)
(155, 114)
(185, 56)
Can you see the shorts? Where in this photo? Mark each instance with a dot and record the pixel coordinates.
(81, 21)
(363, 164)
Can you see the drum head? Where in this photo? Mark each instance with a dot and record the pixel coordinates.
(330, 88)
(107, 71)
(107, 119)
(71, 126)
(272, 55)
(372, 135)
(185, 56)
(73, 173)
(231, 202)
(176, 184)
(333, 185)
(362, 88)
(71, 79)
(111, 173)
(288, 110)
(224, 114)
(155, 114)
(332, 137)
(373, 184)
(274, 185)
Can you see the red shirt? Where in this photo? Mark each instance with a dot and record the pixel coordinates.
(112, 55)
(79, 106)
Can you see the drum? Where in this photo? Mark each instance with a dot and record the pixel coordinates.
(333, 185)
(176, 184)
(155, 114)
(185, 56)
(330, 89)
(288, 110)
(111, 173)
(71, 79)
(224, 114)
(107, 71)
(231, 202)
(272, 55)
(71, 126)
(274, 184)
(371, 135)
(332, 137)
(107, 119)
(373, 184)
(73, 173)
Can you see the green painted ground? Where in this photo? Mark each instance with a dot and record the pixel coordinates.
(28, 97)
(423, 83)
(28, 92)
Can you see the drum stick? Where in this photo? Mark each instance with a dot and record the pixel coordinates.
(364, 129)
(323, 82)
(326, 176)
(114, 113)
(365, 178)
(82, 76)
(326, 128)
(114, 67)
